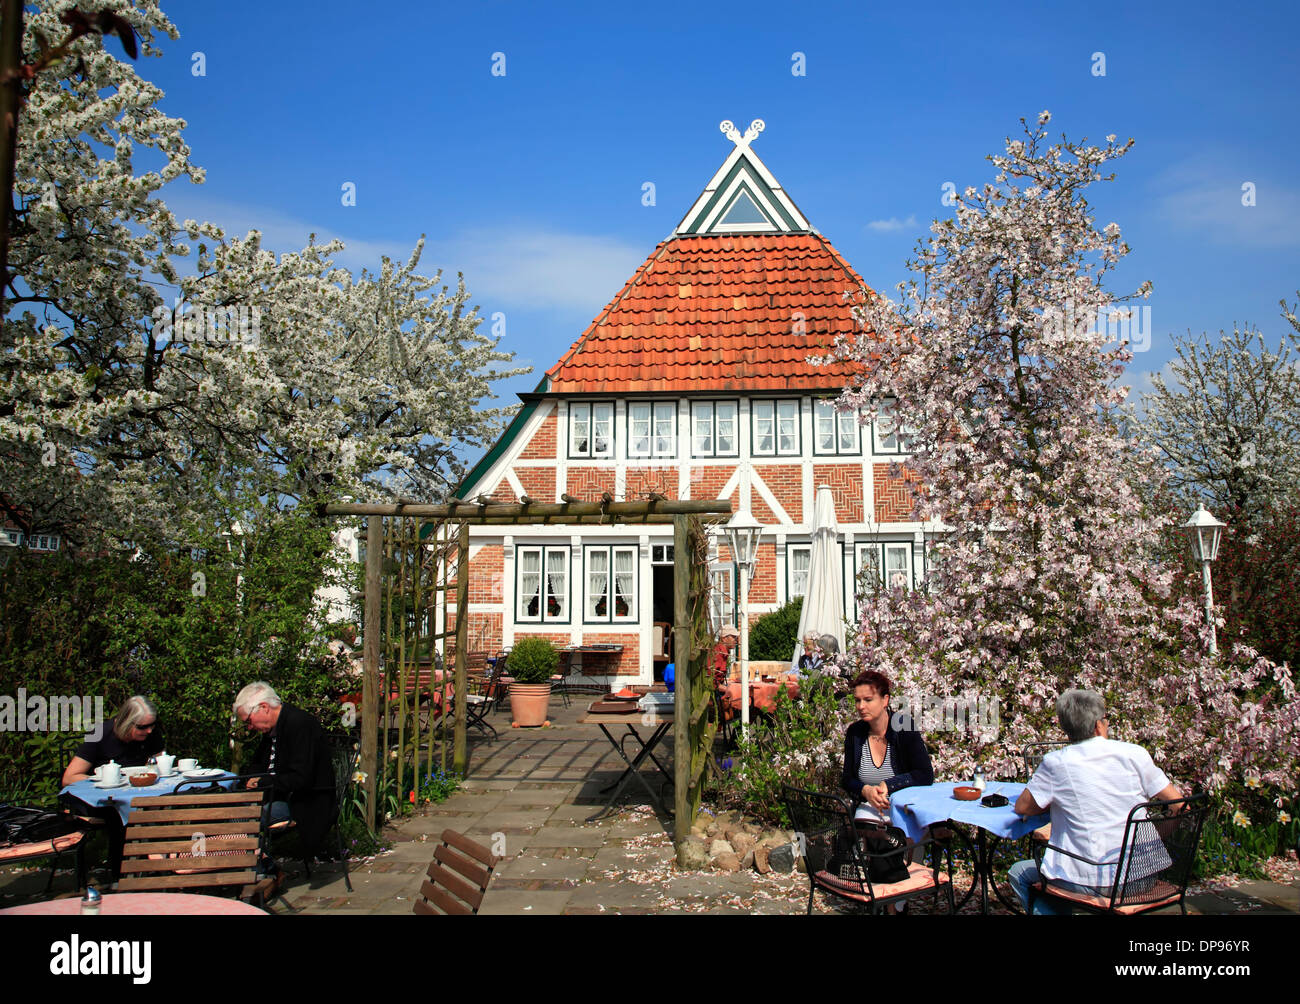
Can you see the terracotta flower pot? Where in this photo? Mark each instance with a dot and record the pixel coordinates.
(529, 703)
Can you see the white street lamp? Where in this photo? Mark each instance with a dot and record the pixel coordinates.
(743, 532)
(1203, 532)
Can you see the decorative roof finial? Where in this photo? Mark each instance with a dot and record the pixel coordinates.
(732, 133)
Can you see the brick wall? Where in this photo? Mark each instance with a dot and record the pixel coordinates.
(587, 483)
(785, 481)
(486, 569)
(629, 660)
(893, 494)
(538, 482)
(542, 445)
(708, 482)
(642, 480)
(483, 634)
(845, 481)
(763, 588)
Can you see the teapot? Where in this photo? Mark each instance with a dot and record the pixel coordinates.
(165, 762)
(112, 772)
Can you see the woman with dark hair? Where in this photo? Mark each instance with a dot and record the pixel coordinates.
(879, 759)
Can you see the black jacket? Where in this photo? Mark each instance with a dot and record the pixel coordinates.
(303, 775)
(907, 752)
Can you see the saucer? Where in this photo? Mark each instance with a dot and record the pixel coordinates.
(120, 784)
(203, 772)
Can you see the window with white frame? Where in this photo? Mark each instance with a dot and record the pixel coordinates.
(611, 584)
(14, 537)
(798, 560)
(543, 593)
(713, 429)
(722, 609)
(44, 542)
(775, 428)
(652, 429)
(835, 433)
(889, 564)
(591, 429)
(887, 436)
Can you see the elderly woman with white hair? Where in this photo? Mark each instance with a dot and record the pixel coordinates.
(295, 755)
(133, 739)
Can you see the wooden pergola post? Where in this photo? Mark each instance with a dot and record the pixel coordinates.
(370, 723)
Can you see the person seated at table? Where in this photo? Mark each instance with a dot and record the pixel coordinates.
(294, 752)
(1089, 787)
(133, 739)
(818, 652)
(878, 758)
(720, 658)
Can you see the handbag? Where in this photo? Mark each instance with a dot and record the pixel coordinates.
(888, 848)
(24, 825)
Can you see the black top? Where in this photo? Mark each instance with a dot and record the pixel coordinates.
(297, 757)
(906, 750)
(110, 747)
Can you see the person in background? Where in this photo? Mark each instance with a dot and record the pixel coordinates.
(1089, 787)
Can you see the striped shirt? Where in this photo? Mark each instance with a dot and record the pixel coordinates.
(869, 773)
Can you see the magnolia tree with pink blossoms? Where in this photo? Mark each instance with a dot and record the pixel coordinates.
(1042, 570)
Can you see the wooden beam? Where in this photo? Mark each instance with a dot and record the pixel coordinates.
(682, 688)
(459, 754)
(370, 714)
(468, 511)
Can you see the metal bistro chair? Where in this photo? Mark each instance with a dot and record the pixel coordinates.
(838, 864)
(1033, 754)
(1154, 864)
(458, 877)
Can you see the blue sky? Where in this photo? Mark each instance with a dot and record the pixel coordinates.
(531, 183)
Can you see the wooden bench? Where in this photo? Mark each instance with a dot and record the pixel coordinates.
(457, 878)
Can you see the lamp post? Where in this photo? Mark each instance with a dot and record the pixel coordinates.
(1203, 532)
(743, 532)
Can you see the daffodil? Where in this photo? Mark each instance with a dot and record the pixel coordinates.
(1253, 781)
(1284, 817)
(1239, 818)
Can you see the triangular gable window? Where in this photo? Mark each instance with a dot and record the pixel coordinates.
(743, 210)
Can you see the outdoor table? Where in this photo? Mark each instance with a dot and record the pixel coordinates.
(120, 798)
(761, 695)
(659, 721)
(915, 808)
(121, 904)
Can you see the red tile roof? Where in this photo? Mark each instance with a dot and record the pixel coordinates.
(718, 313)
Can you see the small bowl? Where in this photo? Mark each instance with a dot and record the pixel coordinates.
(966, 793)
(143, 780)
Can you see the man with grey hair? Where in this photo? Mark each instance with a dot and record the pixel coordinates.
(295, 754)
(1089, 787)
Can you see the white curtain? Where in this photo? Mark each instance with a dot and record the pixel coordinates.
(557, 593)
(530, 582)
(624, 582)
(597, 584)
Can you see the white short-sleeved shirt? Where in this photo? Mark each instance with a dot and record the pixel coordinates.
(1090, 788)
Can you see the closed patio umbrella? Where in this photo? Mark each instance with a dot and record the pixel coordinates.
(823, 603)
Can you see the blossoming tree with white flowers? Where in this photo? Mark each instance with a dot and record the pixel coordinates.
(153, 370)
(1043, 569)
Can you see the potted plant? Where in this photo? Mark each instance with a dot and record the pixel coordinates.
(532, 662)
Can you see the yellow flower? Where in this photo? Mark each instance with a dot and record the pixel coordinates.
(1253, 781)
(1239, 818)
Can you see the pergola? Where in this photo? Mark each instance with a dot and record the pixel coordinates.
(411, 549)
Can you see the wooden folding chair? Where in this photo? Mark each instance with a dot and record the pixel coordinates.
(456, 883)
(195, 841)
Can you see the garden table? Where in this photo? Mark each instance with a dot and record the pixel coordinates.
(762, 695)
(915, 808)
(659, 722)
(120, 798)
(120, 904)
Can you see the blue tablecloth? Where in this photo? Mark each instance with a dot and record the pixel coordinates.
(913, 809)
(120, 798)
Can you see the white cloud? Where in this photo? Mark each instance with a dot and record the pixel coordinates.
(1208, 201)
(891, 225)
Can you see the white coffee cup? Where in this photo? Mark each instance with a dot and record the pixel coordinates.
(111, 773)
(187, 763)
(165, 762)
